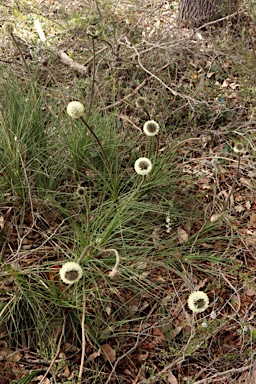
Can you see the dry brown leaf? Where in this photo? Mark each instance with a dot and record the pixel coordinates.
(159, 336)
(250, 292)
(66, 371)
(248, 205)
(215, 217)
(253, 219)
(94, 355)
(239, 208)
(45, 381)
(210, 74)
(171, 379)
(143, 356)
(246, 182)
(108, 310)
(108, 353)
(14, 356)
(182, 235)
(225, 83)
(201, 284)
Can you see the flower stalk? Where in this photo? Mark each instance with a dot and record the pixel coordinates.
(114, 273)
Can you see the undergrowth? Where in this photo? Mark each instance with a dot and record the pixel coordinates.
(69, 187)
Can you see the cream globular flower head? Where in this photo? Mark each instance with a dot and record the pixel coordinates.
(151, 128)
(239, 148)
(71, 272)
(8, 27)
(143, 166)
(81, 191)
(198, 301)
(75, 109)
(141, 102)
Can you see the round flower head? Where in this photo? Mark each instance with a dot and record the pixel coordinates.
(92, 31)
(71, 272)
(151, 128)
(239, 148)
(141, 102)
(75, 109)
(198, 301)
(143, 166)
(8, 27)
(81, 191)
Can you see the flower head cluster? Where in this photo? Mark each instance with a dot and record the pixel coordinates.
(141, 102)
(198, 301)
(143, 166)
(92, 31)
(71, 272)
(239, 148)
(81, 191)
(151, 128)
(75, 109)
(8, 27)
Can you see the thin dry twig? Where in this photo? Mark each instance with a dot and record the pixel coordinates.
(218, 375)
(175, 93)
(56, 354)
(235, 290)
(80, 375)
(125, 354)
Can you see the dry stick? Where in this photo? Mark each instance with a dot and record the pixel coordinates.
(56, 354)
(83, 341)
(235, 290)
(125, 354)
(175, 93)
(220, 374)
(125, 118)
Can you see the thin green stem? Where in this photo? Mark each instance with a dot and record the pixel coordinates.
(86, 249)
(20, 51)
(100, 145)
(146, 112)
(93, 76)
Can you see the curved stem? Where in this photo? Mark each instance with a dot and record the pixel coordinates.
(99, 143)
(90, 246)
(114, 272)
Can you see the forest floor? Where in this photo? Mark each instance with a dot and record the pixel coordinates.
(190, 224)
